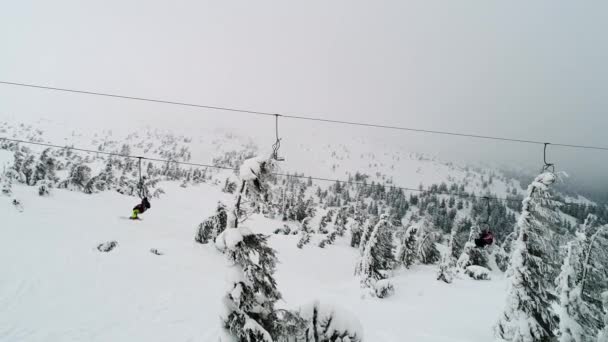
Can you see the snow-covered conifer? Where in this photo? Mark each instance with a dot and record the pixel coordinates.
(329, 323)
(377, 255)
(44, 169)
(446, 268)
(209, 229)
(579, 293)
(408, 252)
(368, 228)
(427, 237)
(471, 254)
(250, 302)
(329, 240)
(304, 233)
(603, 334)
(526, 317)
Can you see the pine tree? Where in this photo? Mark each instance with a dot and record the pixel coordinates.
(526, 317)
(603, 334)
(329, 240)
(578, 290)
(408, 253)
(340, 222)
(328, 324)
(209, 229)
(426, 248)
(446, 268)
(250, 302)
(44, 169)
(471, 254)
(377, 255)
(574, 315)
(355, 232)
(368, 228)
(305, 233)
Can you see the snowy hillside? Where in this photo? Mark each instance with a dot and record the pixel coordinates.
(56, 286)
(267, 253)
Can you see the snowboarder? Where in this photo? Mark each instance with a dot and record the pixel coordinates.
(140, 208)
(486, 239)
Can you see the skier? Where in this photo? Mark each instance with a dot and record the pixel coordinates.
(140, 208)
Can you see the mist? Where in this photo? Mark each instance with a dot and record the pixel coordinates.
(522, 70)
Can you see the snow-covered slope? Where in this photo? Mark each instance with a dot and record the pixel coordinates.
(56, 286)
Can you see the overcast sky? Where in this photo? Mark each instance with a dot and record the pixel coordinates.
(530, 70)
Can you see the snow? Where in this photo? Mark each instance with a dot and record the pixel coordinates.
(230, 237)
(56, 285)
(250, 169)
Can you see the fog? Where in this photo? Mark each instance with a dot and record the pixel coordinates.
(519, 69)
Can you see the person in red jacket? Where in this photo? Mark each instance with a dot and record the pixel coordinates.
(485, 239)
(140, 208)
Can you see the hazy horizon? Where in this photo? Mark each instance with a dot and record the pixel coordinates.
(520, 70)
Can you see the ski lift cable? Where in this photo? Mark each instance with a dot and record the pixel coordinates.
(395, 187)
(301, 117)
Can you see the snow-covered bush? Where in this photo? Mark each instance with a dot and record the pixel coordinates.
(383, 288)
(44, 188)
(526, 317)
(329, 240)
(107, 246)
(6, 185)
(478, 272)
(209, 229)
(330, 323)
(304, 233)
(285, 230)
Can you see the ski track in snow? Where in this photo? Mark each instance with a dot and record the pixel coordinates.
(56, 286)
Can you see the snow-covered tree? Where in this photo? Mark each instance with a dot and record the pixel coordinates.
(426, 249)
(250, 302)
(446, 267)
(209, 229)
(603, 334)
(340, 222)
(408, 252)
(579, 312)
(366, 233)
(44, 169)
(356, 230)
(526, 317)
(304, 233)
(377, 255)
(327, 323)
(471, 254)
(78, 179)
(329, 240)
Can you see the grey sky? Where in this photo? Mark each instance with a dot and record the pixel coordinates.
(522, 69)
